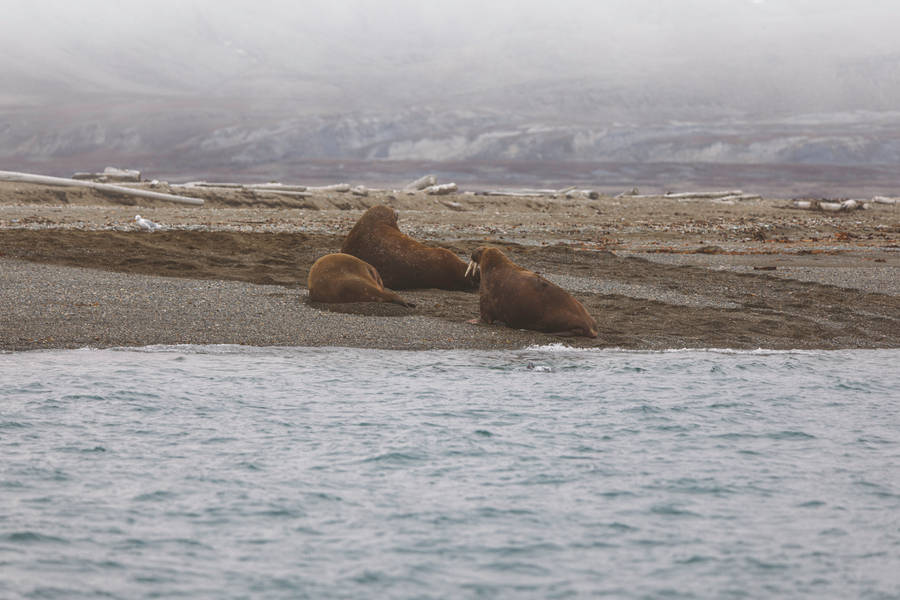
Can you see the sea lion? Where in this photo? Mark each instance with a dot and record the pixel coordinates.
(525, 300)
(338, 278)
(403, 262)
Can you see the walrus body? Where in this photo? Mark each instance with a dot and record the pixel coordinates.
(337, 278)
(525, 300)
(403, 262)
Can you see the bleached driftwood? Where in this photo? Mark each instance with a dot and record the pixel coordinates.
(568, 192)
(831, 205)
(280, 192)
(207, 184)
(571, 194)
(116, 174)
(640, 196)
(421, 183)
(513, 193)
(111, 174)
(702, 195)
(723, 196)
(440, 190)
(738, 198)
(281, 187)
(337, 187)
(101, 187)
(633, 193)
(256, 187)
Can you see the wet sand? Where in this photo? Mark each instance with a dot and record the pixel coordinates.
(656, 273)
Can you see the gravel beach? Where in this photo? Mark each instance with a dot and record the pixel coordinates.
(656, 273)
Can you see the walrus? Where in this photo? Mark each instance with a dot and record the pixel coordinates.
(525, 300)
(337, 278)
(403, 262)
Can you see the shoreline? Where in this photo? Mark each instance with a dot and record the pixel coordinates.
(657, 275)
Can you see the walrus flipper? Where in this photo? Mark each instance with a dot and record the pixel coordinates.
(394, 297)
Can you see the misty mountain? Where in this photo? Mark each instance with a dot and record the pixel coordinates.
(184, 87)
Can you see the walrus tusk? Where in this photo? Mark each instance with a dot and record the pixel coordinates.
(471, 269)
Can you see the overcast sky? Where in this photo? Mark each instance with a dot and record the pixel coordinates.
(374, 46)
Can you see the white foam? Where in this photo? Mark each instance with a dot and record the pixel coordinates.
(738, 351)
(558, 347)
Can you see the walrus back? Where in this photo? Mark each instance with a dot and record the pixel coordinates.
(403, 262)
(342, 278)
(525, 300)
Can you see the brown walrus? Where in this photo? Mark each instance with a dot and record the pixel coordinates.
(525, 300)
(403, 262)
(338, 278)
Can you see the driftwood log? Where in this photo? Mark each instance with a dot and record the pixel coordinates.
(421, 183)
(111, 174)
(337, 187)
(739, 198)
(206, 184)
(440, 190)
(722, 196)
(575, 194)
(704, 195)
(513, 193)
(101, 187)
(271, 187)
(277, 187)
(279, 192)
(831, 205)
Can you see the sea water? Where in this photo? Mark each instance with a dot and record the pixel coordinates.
(232, 472)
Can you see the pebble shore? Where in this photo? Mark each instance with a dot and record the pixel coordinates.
(656, 274)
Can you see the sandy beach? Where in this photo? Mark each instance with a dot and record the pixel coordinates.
(656, 273)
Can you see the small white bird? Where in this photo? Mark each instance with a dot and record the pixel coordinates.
(146, 223)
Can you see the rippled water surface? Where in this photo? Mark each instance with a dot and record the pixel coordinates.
(226, 472)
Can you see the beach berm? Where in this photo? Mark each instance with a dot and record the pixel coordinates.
(656, 273)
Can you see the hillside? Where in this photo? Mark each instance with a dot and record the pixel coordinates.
(181, 90)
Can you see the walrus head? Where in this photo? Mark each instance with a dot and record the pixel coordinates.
(382, 214)
(473, 269)
(484, 257)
